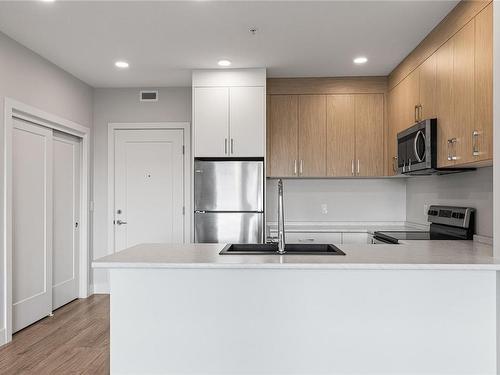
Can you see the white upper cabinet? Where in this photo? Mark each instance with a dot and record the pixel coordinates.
(229, 114)
(211, 119)
(247, 121)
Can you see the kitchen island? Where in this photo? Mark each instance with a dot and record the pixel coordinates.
(423, 307)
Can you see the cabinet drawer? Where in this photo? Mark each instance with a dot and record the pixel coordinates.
(304, 237)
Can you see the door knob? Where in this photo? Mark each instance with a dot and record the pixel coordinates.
(119, 222)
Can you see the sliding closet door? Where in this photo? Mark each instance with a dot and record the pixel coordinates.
(66, 185)
(32, 223)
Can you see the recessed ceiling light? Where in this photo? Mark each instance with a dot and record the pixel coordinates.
(121, 64)
(224, 63)
(360, 60)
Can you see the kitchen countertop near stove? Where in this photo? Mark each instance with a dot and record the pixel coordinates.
(369, 227)
(409, 255)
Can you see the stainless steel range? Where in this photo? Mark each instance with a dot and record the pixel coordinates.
(447, 223)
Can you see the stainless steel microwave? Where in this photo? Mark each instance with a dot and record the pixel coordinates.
(417, 150)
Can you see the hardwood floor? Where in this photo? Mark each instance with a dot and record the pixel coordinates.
(74, 341)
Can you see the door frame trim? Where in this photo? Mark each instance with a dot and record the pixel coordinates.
(14, 108)
(186, 128)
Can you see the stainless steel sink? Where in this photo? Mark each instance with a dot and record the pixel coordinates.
(290, 249)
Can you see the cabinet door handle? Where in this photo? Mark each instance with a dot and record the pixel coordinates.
(451, 149)
(306, 239)
(352, 167)
(358, 167)
(415, 113)
(420, 112)
(295, 167)
(475, 147)
(300, 167)
(225, 146)
(232, 146)
(394, 164)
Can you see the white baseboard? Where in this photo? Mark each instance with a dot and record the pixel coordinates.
(102, 288)
(3, 338)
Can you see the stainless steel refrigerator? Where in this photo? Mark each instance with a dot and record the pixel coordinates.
(229, 201)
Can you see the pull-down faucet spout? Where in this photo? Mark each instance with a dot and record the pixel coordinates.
(281, 219)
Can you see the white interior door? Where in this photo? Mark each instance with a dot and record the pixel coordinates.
(66, 186)
(31, 223)
(149, 187)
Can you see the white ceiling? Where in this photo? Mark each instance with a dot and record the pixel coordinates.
(163, 41)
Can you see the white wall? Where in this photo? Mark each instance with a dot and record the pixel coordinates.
(470, 189)
(122, 105)
(28, 78)
(496, 131)
(347, 200)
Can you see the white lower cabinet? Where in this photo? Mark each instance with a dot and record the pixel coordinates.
(336, 238)
(355, 238)
(311, 237)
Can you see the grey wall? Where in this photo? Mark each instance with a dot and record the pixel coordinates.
(474, 189)
(356, 200)
(28, 78)
(122, 105)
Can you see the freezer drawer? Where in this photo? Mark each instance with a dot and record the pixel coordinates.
(228, 185)
(228, 227)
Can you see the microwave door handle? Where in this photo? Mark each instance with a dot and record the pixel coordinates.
(415, 149)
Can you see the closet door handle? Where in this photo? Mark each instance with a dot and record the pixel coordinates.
(352, 167)
(232, 146)
(300, 167)
(295, 167)
(358, 167)
(225, 146)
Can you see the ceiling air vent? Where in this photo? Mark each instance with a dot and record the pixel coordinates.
(149, 95)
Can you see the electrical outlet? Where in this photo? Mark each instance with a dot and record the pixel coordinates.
(324, 209)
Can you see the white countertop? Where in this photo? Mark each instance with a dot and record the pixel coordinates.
(409, 255)
(368, 227)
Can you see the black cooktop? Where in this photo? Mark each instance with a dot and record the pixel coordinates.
(395, 236)
(407, 235)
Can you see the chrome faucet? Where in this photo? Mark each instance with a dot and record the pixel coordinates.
(281, 219)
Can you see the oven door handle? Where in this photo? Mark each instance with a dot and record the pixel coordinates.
(417, 156)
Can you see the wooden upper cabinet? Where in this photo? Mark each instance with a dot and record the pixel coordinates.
(312, 135)
(463, 93)
(427, 88)
(282, 135)
(369, 119)
(340, 126)
(412, 99)
(392, 151)
(482, 132)
(444, 103)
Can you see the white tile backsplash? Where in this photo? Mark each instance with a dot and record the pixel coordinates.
(469, 189)
(383, 200)
(339, 200)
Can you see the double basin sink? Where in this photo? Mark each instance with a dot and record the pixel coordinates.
(290, 249)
